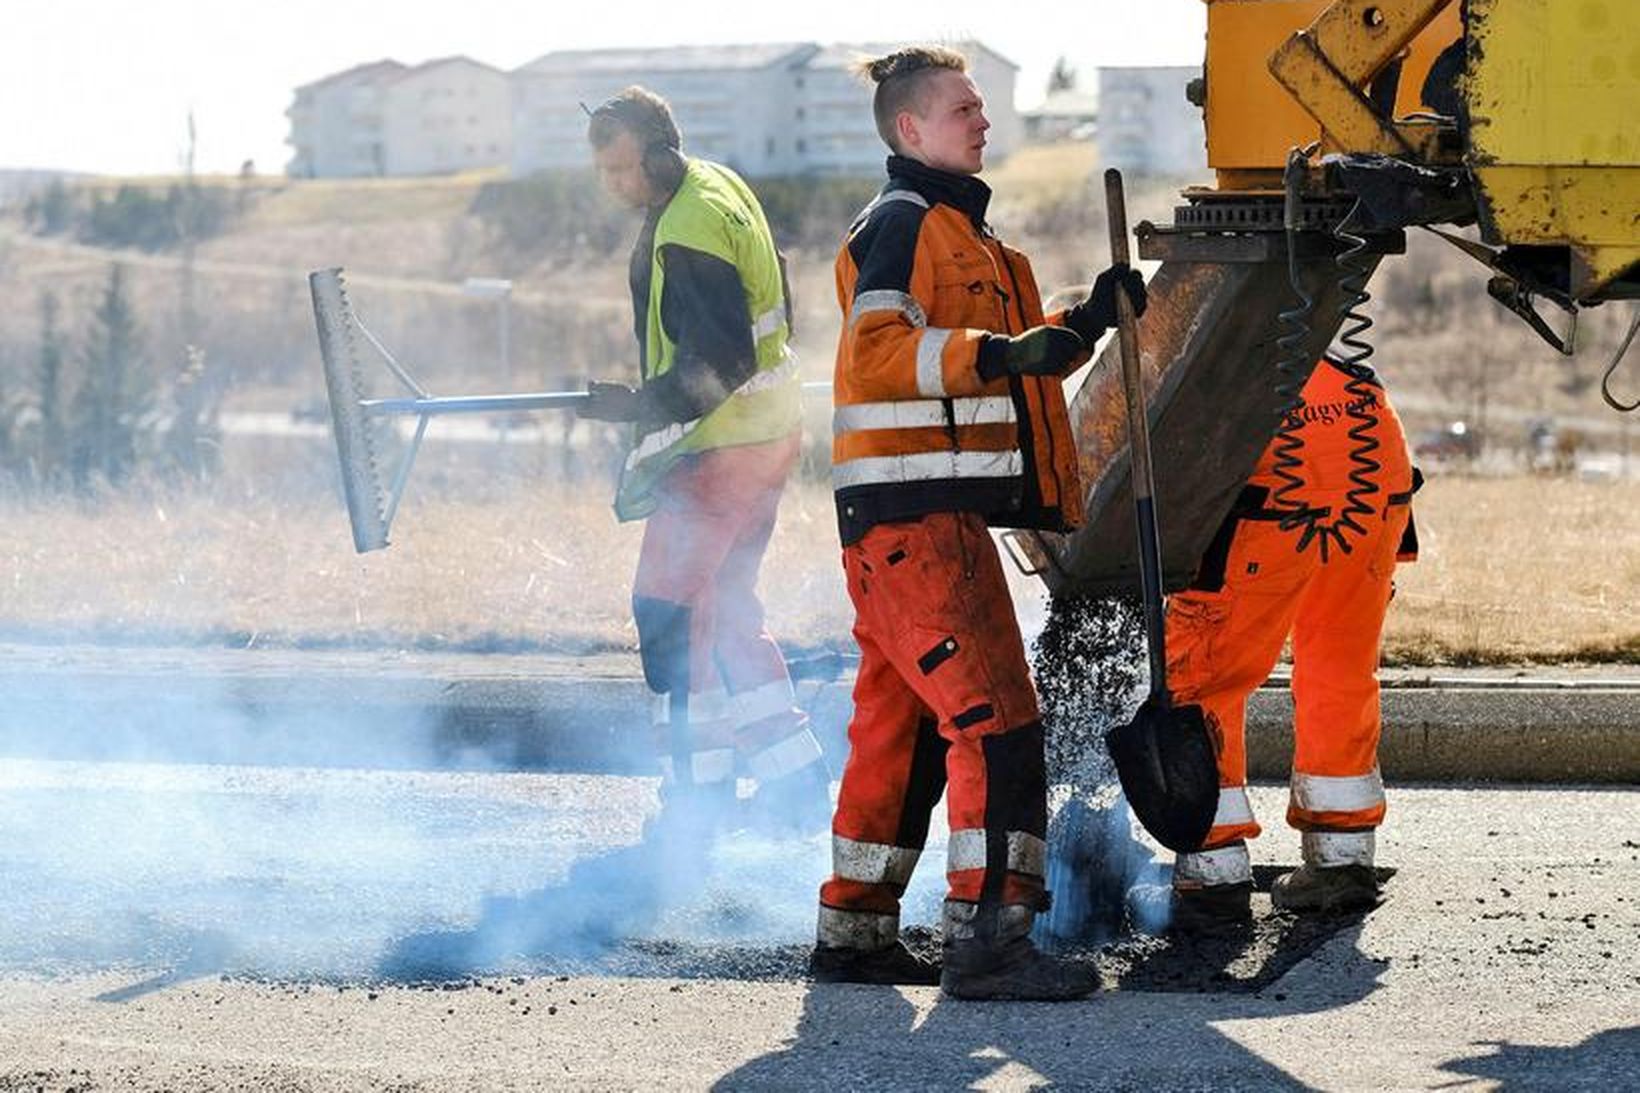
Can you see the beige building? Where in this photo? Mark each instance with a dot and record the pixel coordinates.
(447, 115)
(789, 108)
(782, 109)
(730, 101)
(336, 123)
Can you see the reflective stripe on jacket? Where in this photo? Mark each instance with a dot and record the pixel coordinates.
(715, 213)
(922, 282)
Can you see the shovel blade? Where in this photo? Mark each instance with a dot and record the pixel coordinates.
(1169, 773)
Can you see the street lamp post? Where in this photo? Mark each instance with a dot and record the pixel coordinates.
(499, 289)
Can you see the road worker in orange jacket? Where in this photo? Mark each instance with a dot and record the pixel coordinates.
(949, 419)
(1308, 551)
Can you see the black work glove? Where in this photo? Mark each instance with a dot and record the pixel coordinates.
(1040, 351)
(611, 402)
(1097, 314)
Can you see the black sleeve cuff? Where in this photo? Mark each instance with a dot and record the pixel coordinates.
(992, 361)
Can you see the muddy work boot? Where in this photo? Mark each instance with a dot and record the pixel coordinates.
(1314, 888)
(1213, 890)
(1219, 909)
(989, 955)
(894, 966)
(1337, 874)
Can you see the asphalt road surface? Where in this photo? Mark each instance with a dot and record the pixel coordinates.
(204, 927)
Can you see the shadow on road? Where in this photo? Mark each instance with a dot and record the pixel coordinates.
(1606, 1060)
(1135, 1033)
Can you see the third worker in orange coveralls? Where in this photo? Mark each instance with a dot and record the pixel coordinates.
(1309, 550)
(949, 417)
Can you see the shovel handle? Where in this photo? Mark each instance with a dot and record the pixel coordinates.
(1150, 549)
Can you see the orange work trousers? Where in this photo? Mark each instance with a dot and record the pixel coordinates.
(943, 703)
(1222, 643)
(701, 623)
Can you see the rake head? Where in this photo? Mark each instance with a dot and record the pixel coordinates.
(339, 338)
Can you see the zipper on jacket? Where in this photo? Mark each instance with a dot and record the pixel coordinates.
(1053, 456)
(950, 408)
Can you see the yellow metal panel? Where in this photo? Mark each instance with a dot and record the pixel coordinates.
(1593, 209)
(1553, 90)
(1555, 81)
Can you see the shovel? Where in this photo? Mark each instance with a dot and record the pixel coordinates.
(1165, 755)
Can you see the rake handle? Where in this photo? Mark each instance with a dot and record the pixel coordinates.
(1150, 547)
(472, 404)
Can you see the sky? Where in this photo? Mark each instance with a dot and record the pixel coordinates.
(107, 86)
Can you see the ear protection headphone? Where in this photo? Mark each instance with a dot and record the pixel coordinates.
(663, 160)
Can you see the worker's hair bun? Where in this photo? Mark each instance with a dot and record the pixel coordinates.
(904, 62)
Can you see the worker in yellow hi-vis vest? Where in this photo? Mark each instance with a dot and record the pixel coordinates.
(715, 435)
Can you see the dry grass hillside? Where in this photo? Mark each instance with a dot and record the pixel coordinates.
(515, 545)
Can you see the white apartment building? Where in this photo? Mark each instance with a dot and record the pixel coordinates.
(787, 108)
(447, 115)
(336, 124)
(1146, 125)
(784, 109)
(728, 100)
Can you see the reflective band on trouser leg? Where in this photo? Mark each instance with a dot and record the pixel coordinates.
(1234, 818)
(880, 868)
(1004, 862)
(1026, 853)
(772, 732)
(1209, 868)
(712, 759)
(710, 767)
(1332, 802)
(1328, 849)
(789, 756)
(873, 863)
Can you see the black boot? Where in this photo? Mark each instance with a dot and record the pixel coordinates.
(893, 966)
(989, 955)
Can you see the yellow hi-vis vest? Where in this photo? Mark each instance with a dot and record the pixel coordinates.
(716, 213)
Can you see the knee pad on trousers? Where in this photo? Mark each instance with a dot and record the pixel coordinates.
(663, 643)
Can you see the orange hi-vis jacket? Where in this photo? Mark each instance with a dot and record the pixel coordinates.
(923, 284)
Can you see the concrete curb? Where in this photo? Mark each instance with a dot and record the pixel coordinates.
(592, 713)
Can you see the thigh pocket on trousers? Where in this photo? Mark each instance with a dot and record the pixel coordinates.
(954, 677)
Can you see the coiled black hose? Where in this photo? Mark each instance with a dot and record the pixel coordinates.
(1292, 366)
(1354, 352)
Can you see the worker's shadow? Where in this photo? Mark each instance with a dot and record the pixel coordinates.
(1152, 1025)
(1606, 1060)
